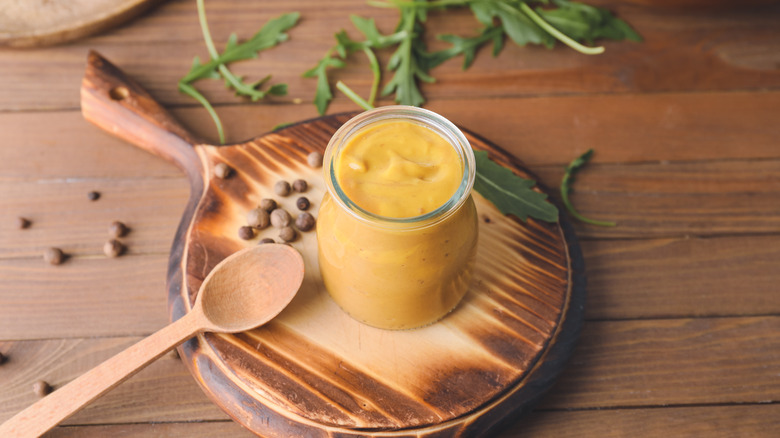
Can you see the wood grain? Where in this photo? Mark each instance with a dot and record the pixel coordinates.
(681, 52)
(41, 23)
(684, 422)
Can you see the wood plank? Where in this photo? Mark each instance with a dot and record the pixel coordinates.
(64, 217)
(691, 52)
(680, 362)
(712, 421)
(540, 131)
(677, 199)
(116, 296)
(639, 279)
(164, 391)
(682, 422)
(671, 362)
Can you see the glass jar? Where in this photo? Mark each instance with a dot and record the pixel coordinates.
(397, 273)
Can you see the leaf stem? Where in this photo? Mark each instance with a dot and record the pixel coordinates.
(192, 92)
(565, 39)
(568, 179)
(353, 96)
(376, 70)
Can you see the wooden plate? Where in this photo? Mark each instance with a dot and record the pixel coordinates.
(314, 371)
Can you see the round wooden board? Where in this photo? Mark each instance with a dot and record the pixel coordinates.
(315, 372)
(35, 23)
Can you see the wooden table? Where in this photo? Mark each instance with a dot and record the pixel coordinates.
(682, 330)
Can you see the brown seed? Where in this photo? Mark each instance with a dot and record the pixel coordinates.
(287, 234)
(258, 218)
(113, 248)
(280, 218)
(117, 229)
(265, 240)
(2, 358)
(300, 185)
(268, 204)
(93, 195)
(246, 233)
(55, 256)
(22, 223)
(314, 159)
(303, 203)
(222, 170)
(305, 221)
(41, 388)
(282, 188)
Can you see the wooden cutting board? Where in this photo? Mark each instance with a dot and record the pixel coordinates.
(313, 371)
(34, 23)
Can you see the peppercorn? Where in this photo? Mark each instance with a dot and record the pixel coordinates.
(265, 240)
(302, 203)
(22, 222)
(258, 218)
(113, 248)
(246, 233)
(282, 188)
(268, 204)
(287, 234)
(93, 195)
(222, 170)
(280, 218)
(305, 221)
(117, 229)
(300, 185)
(55, 256)
(41, 388)
(314, 159)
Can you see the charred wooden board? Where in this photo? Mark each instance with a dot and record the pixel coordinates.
(314, 371)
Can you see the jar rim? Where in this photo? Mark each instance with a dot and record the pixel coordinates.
(429, 119)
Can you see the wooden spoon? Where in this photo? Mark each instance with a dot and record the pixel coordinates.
(242, 292)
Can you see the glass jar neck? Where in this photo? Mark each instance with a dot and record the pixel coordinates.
(425, 118)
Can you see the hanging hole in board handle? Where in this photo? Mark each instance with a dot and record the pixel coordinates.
(119, 93)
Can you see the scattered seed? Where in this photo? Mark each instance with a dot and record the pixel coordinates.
(55, 256)
(268, 204)
(303, 203)
(117, 229)
(222, 170)
(113, 248)
(314, 159)
(246, 232)
(305, 221)
(41, 388)
(280, 218)
(258, 218)
(300, 185)
(93, 195)
(282, 188)
(265, 240)
(287, 234)
(22, 223)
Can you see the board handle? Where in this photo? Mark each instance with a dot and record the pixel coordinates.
(117, 104)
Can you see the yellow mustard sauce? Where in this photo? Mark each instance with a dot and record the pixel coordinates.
(397, 276)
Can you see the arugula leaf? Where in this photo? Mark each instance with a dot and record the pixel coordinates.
(566, 187)
(323, 95)
(467, 46)
(510, 193)
(271, 34)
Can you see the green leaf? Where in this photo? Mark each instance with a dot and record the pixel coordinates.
(323, 95)
(566, 187)
(467, 46)
(510, 193)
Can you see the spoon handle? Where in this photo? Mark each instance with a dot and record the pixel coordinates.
(66, 401)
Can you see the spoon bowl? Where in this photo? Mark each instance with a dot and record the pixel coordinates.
(244, 291)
